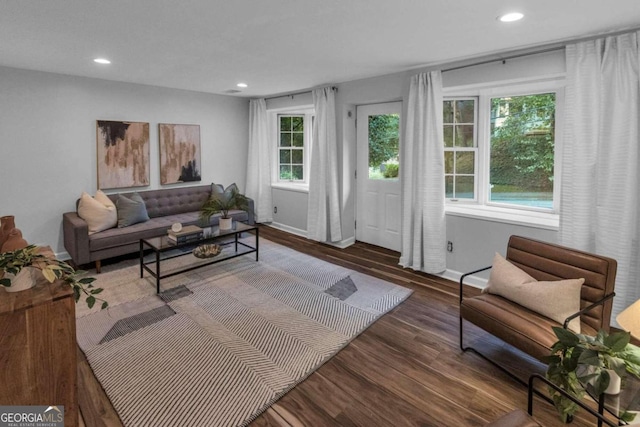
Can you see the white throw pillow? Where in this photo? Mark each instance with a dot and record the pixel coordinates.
(556, 300)
(99, 212)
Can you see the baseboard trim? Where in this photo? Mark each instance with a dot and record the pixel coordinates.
(344, 243)
(287, 228)
(475, 281)
(302, 233)
(63, 256)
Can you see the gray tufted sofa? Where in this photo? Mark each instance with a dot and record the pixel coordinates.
(164, 206)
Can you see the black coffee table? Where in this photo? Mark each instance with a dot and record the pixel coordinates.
(162, 245)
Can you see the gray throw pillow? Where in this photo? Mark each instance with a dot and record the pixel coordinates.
(131, 210)
(221, 193)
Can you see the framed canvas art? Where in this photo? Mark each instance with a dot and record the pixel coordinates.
(123, 154)
(179, 153)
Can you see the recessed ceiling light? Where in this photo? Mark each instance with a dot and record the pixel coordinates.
(102, 61)
(242, 85)
(510, 17)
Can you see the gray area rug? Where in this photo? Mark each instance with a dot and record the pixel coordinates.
(223, 343)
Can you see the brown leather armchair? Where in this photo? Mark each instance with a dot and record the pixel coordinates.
(530, 331)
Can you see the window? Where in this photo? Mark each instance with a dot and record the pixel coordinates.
(522, 150)
(460, 148)
(293, 146)
(499, 147)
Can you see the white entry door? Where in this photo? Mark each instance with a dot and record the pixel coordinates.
(378, 181)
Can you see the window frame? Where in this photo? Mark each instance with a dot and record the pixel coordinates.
(308, 114)
(482, 207)
(474, 149)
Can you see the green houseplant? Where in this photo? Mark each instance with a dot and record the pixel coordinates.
(222, 203)
(577, 360)
(13, 262)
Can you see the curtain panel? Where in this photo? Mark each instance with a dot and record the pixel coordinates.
(599, 209)
(323, 215)
(259, 161)
(422, 172)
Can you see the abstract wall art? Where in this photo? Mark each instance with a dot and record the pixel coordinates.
(123, 154)
(179, 153)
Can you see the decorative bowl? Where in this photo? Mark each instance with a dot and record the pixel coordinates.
(207, 250)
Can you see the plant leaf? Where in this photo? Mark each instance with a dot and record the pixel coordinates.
(95, 291)
(104, 305)
(49, 274)
(90, 301)
(590, 357)
(566, 337)
(618, 341)
(601, 382)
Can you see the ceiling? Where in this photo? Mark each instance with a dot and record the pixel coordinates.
(280, 46)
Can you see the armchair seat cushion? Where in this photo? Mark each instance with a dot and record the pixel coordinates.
(513, 323)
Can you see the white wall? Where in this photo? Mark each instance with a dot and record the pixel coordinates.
(474, 240)
(48, 140)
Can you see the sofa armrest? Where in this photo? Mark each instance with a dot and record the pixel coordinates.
(76, 237)
(251, 212)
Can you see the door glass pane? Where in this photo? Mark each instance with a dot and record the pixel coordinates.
(522, 150)
(384, 138)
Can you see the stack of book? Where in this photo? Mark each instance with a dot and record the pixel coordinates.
(189, 233)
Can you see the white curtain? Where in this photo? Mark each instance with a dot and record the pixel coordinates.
(600, 182)
(259, 161)
(323, 216)
(422, 170)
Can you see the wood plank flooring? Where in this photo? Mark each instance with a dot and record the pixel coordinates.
(404, 370)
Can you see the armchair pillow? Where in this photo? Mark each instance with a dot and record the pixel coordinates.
(556, 300)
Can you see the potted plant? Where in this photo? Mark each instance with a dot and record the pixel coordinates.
(577, 360)
(18, 271)
(222, 203)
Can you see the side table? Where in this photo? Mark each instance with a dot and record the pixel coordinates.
(38, 348)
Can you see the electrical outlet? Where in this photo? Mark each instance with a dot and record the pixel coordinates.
(449, 246)
(275, 209)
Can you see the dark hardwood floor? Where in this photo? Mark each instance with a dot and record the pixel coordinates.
(405, 370)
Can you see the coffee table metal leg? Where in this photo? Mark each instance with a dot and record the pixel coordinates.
(158, 272)
(141, 259)
(257, 243)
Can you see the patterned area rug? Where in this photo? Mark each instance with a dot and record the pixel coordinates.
(223, 343)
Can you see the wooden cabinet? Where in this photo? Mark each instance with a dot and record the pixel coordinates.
(38, 359)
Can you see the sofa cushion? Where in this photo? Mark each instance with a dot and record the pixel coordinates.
(131, 210)
(556, 300)
(99, 212)
(154, 227)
